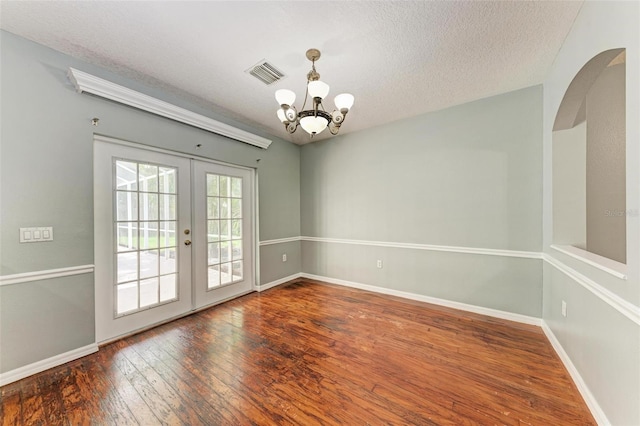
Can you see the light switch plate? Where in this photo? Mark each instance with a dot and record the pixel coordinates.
(36, 234)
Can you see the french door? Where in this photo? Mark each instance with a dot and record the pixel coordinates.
(223, 221)
(172, 234)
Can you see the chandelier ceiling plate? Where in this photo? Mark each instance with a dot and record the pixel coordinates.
(313, 54)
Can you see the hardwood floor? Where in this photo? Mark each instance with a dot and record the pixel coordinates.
(309, 353)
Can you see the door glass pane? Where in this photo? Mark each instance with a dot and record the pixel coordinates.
(236, 252)
(167, 207)
(225, 251)
(237, 270)
(225, 212)
(214, 276)
(167, 234)
(127, 297)
(145, 196)
(214, 253)
(148, 178)
(127, 236)
(225, 233)
(126, 205)
(213, 232)
(236, 187)
(148, 206)
(168, 287)
(236, 208)
(213, 211)
(212, 185)
(167, 180)
(224, 236)
(225, 273)
(126, 176)
(149, 292)
(168, 261)
(236, 229)
(149, 235)
(127, 266)
(149, 263)
(224, 186)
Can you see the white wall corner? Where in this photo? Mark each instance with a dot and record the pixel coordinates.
(588, 397)
(45, 364)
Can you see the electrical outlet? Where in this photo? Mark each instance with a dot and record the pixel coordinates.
(379, 264)
(564, 308)
(284, 257)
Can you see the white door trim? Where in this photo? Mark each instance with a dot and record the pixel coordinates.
(253, 245)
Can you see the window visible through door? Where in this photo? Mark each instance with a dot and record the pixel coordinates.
(224, 230)
(145, 219)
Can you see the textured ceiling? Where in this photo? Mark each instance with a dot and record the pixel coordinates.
(398, 58)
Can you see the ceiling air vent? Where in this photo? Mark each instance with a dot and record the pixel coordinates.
(265, 72)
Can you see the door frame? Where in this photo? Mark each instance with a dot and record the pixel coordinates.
(253, 182)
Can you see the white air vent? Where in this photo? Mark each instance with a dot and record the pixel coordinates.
(265, 72)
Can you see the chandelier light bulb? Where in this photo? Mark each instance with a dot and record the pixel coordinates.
(313, 125)
(344, 101)
(281, 115)
(318, 89)
(285, 97)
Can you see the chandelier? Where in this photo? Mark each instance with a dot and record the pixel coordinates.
(316, 119)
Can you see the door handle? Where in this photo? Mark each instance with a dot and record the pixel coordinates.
(187, 242)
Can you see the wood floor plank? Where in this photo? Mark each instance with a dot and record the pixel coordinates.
(106, 357)
(309, 353)
(209, 406)
(11, 409)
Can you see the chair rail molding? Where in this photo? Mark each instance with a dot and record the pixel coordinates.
(45, 274)
(87, 83)
(609, 266)
(430, 247)
(626, 308)
(280, 241)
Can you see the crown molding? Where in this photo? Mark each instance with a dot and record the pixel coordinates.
(88, 83)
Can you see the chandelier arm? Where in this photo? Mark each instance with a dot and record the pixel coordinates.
(306, 95)
(291, 127)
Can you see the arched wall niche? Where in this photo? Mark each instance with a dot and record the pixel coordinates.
(589, 188)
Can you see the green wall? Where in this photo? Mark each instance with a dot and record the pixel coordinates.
(46, 177)
(466, 176)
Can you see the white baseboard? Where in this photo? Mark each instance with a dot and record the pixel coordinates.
(525, 319)
(45, 364)
(588, 397)
(272, 284)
